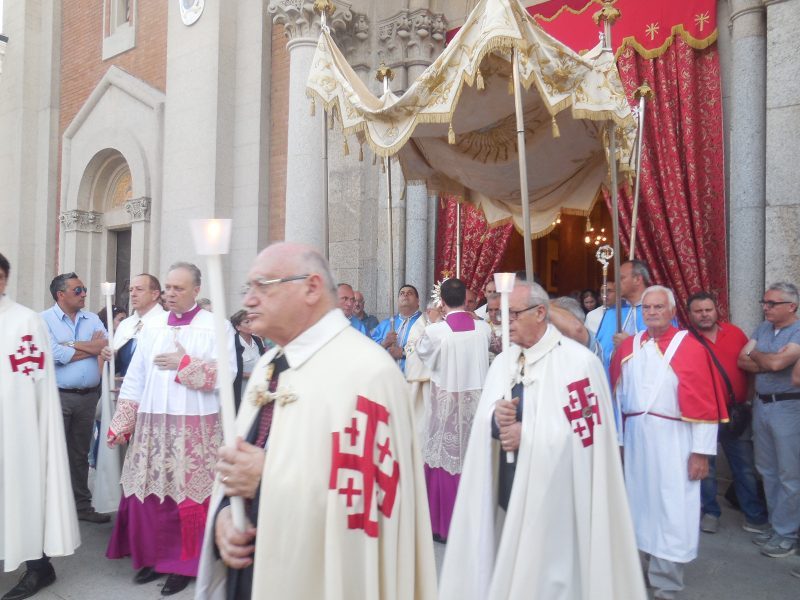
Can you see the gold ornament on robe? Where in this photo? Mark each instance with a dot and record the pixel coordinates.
(607, 13)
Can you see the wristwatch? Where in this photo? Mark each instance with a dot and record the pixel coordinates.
(70, 344)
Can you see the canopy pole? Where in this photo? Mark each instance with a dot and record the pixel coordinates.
(523, 169)
(458, 240)
(325, 225)
(643, 92)
(385, 75)
(612, 150)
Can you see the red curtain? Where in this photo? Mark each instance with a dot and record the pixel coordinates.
(482, 247)
(681, 231)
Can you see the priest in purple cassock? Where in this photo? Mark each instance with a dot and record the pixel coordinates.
(456, 350)
(169, 410)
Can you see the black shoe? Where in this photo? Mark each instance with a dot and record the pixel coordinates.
(31, 583)
(174, 584)
(146, 575)
(92, 516)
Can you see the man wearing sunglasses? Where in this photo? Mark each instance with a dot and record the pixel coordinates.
(77, 337)
(771, 353)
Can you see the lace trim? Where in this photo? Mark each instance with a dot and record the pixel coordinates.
(448, 429)
(124, 419)
(196, 374)
(172, 455)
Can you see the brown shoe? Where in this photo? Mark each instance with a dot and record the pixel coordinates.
(92, 516)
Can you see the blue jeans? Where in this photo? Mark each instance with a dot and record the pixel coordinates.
(739, 452)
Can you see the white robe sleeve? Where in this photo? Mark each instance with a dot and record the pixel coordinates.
(704, 438)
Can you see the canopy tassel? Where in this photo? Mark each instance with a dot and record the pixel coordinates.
(361, 153)
(451, 135)
(374, 159)
(313, 106)
(556, 131)
(346, 148)
(480, 82)
(383, 165)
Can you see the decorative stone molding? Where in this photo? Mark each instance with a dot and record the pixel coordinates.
(138, 209)
(301, 21)
(81, 220)
(415, 37)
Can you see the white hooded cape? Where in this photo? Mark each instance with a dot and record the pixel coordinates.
(37, 509)
(568, 533)
(308, 546)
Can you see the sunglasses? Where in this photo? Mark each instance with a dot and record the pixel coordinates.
(80, 290)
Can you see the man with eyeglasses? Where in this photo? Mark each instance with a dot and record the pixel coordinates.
(456, 350)
(671, 402)
(77, 338)
(566, 530)
(328, 463)
(37, 511)
(168, 410)
(771, 354)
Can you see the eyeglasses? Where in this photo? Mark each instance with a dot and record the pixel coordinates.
(262, 284)
(513, 315)
(772, 303)
(80, 290)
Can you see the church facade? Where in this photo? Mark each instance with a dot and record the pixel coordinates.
(121, 120)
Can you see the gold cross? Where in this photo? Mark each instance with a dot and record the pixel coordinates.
(701, 19)
(652, 30)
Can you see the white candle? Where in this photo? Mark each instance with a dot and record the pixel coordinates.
(504, 285)
(108, 289)
(212, 239)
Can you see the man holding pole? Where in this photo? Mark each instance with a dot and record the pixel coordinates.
(392, 333)
(566, 531)
(169, 405)
(328, 462)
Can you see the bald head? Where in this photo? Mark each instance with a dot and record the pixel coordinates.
(346, 298)
(303, 295)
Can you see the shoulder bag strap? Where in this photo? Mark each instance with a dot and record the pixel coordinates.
(700, 338)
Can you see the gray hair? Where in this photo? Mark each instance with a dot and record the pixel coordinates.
(569, 303)
(196, 276)
(789, 290)
(536, 295)
(661, 288)
(639, 268)
(59, 283)
(313, 262)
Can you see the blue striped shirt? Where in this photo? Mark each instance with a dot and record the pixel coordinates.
(83, 373)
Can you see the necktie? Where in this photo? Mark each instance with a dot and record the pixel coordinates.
(265, 417)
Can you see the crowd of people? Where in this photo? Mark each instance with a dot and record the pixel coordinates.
(578, 461)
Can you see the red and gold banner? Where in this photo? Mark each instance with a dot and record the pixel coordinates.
(648, 26)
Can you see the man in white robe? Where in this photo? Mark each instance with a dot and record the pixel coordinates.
(456, 350)
(563, 531)
(671, 403)
(144, 293)
(37, 511)
(168, 403)
(337, 498)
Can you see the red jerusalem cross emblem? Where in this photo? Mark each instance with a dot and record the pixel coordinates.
(363, 469)
(28, 357)
(582, 411)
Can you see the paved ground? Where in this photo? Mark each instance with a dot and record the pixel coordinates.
(729, 568)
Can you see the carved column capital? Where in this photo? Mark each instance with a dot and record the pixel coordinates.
(301, 22)
(138, 209)
(87, 221)
(411, 37)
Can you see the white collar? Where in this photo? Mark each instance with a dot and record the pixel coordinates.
(305, 345)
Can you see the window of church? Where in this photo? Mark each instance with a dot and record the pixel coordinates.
(119, 27)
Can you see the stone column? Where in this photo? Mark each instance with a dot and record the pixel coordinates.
(747, 167)
(783, 133)
(304, 185)
(417, 237)
(138, 211)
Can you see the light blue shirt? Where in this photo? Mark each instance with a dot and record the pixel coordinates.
(402, 326)
(356, 322)
(83, 373)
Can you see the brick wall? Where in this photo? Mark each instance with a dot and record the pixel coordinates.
(279, 103)
(82, 65)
